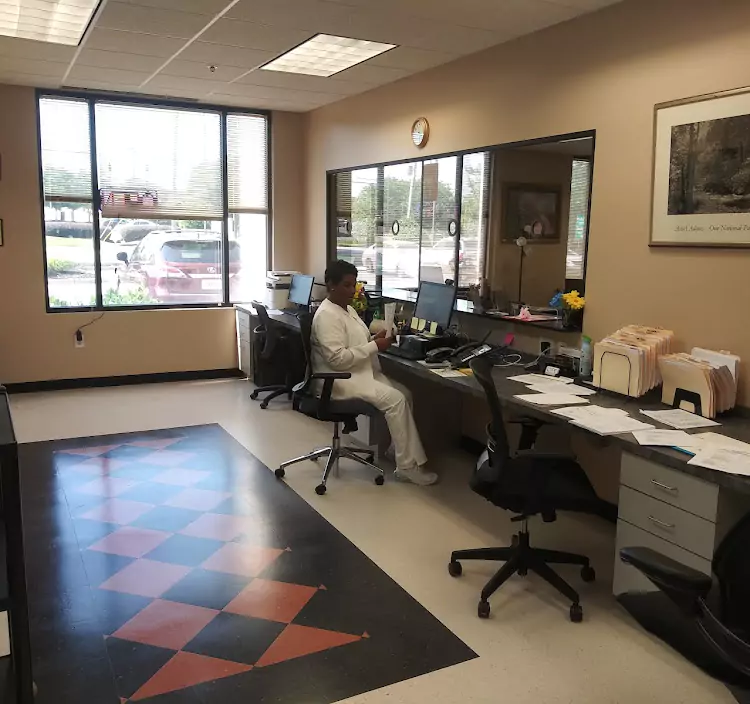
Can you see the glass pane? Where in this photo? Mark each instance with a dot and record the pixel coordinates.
(248, 239)
(163, 262)
(439, 209)
(579, 210)
(247, 185)
(475, 179)
(401, 225)
(69, 247)
(357, 230)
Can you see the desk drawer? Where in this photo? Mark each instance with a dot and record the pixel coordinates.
(668, 522)
(243, 320)
(628, 578)
(668, 485)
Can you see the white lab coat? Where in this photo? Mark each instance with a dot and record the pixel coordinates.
(341, 342)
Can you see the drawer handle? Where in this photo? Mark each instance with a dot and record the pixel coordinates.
(666, 487)
(661, 524)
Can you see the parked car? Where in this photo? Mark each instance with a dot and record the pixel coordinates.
(130, 232)
(402, 258)
(64, 228)
(178, 267)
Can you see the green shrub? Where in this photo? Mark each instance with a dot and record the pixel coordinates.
(58, 267)
(139, 297)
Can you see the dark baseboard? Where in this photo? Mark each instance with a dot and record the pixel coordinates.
(103, 381)
(474, 447)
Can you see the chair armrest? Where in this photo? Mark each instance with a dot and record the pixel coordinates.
(547, 456)
(684, 585)
(328, 378)
(331, 375)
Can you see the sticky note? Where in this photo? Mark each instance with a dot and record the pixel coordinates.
(433, 328)
(414, 323)
(420, 324)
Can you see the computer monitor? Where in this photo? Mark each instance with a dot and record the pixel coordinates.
(435, 303)
(300, 289)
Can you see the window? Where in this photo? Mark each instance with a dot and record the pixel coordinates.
(475, 210)
(580, 184)
(152, 205)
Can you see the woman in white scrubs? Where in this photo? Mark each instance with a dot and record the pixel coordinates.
(341, 342)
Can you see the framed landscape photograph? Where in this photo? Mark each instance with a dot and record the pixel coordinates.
(701, 195)
(532, 211)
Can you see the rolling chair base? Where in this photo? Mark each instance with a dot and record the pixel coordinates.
(275, 391)
(333, 453)
(519, 558)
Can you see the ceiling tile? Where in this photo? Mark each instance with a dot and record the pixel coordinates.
(30, 49)
(133, 42)
(411, 58)
(271, 93)
(199, 7)
(193, 86)
(587, 5)
(81, 74)
(28, 79)
(135, 18)
(194, 69)
(36, 68)
(115, 59)
(254, 36)
(221, 55)
(311, 15)
(295, 81)
(365, 73)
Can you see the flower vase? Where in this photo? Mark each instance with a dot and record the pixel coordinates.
(572, 319)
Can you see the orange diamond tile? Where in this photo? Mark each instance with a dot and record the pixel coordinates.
(130, 541)
(273, 601)
(186, 670)
(145, 578)
(241, 559)
(296, 641)
(118, 511)
(217, 526)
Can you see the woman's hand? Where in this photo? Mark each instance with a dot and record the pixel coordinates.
(383, 342)
(379, 335)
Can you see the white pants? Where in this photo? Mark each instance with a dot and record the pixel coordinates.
(395, 401)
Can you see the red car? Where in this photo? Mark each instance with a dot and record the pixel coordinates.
(178, 267)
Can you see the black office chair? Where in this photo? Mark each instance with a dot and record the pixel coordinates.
(274, 354)
(340, 413)
(711, 624)
(526, 483)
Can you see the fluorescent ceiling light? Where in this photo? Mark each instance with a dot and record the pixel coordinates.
(326, 54)
(55, 21)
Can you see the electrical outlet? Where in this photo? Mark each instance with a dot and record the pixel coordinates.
(79, 341)
(546, 347)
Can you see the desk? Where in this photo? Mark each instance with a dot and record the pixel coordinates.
(681, 510)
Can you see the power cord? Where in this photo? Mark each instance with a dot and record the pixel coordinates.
(79, 332)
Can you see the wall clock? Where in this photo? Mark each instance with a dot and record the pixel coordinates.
(420, 132)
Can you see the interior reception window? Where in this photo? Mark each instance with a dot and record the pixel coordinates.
(402, 224)
(175, 203)
(580, 186)
(475, 209)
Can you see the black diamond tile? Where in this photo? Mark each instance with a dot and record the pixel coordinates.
(237, 638)
(128, 452)
(89, 532)
(137, 471)
(167, 518)
(134, 664)
(234, 506)
(151, 492)
(100, 566)
(185, 550)
(90, 681)
(112, 610)
(213, 590)
(61, 648)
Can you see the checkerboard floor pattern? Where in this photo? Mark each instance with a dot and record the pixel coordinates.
(205, 574)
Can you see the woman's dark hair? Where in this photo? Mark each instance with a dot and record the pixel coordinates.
(336, 271)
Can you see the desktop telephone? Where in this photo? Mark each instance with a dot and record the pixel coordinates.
(457, 356)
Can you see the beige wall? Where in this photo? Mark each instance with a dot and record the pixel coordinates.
(35, 345)
(604, 71)
(544, 264)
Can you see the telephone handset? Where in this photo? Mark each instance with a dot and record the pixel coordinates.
(457, 354)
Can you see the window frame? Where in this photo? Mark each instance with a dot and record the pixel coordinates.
(331, 245)
(224, 110)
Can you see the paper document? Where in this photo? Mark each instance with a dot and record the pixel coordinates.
(447, 373)
(588, 411)
(553, 387)
(390, 314)
(680, 419)
(540, 378)
(603, 421)
(723, 459)
(664, 438)
(702, 441)
(552, 399)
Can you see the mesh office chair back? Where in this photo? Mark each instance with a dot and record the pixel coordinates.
(732, 568)
(498, 439)
(269, 332)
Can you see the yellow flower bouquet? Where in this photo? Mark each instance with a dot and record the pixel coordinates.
(573, 304)
(573, 300)
(359, 302)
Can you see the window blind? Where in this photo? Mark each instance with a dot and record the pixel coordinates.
(577, 222)
(66, 150)
(159, 162)
(247, 157)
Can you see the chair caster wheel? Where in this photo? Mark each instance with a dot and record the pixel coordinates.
(588, 574)
(380, 480)
(320, 489)
(254, 395)
(264, 405)
(576, 613)
(483, 610)
(455, 569)
(280, 473)
(514, 541)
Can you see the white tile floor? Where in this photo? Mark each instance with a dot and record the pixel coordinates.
(529, 651)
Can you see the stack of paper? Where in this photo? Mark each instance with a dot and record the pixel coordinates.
(697, 385)
(680, 419)
(603, 421)
(664, 438)
(552, 399)
(719, 452)
(626, 361)
(552, 385)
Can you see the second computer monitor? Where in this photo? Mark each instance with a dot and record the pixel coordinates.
(435, 303)
(300, 289)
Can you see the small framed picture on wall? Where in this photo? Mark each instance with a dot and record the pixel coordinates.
(2, 241)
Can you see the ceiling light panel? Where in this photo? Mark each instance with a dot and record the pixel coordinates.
(55, 21)
(325, 55)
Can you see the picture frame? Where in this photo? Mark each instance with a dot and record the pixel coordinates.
(2, 240)
(531, 210)
(701, 172)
